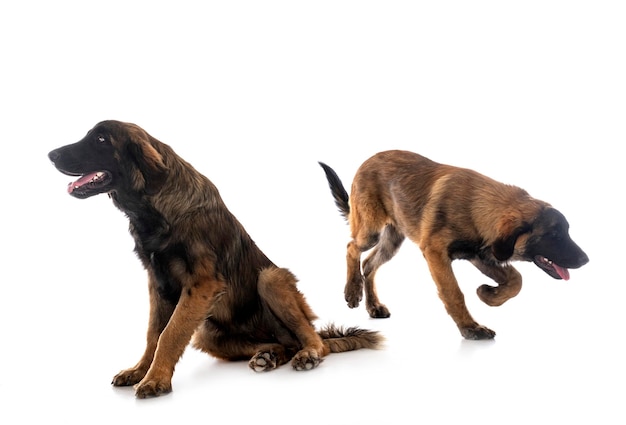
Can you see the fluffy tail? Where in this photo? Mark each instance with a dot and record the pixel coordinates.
(338, 191)
(338, 339)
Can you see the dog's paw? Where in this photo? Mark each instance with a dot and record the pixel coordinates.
(378, 311)
(152, 388)
(263, 361)
(306, 360)
(353, 301)
(353, 293)
(493, 296)
(128, 377)
(477, 332)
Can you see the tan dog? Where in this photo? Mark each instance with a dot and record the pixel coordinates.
(450, 213)
(206, 275)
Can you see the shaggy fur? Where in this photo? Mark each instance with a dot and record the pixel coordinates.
(207, 278)
(450, 213)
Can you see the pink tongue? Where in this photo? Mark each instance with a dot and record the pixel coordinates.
(563, 272)
(78, 183)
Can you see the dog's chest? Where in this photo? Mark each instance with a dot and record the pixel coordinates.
(158, 254)
(168, 266)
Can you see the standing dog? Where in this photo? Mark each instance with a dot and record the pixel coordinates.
(207, 278)
(450, 213)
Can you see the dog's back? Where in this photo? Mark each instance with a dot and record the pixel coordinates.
(379, 192)
(411, 191)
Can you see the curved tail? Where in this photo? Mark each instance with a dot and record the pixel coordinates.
(338, 339)
(338, 191)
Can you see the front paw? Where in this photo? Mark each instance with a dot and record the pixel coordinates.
(492, 295)
(128, 377)
(498, 295)
(152, 388)
(477, 332)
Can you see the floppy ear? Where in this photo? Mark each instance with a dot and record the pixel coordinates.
(150, 173)
(509, 229)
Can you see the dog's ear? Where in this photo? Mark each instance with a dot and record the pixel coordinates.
(150, 172)
(509, 228)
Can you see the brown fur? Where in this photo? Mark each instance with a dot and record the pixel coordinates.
(207, 278)
(450, 213)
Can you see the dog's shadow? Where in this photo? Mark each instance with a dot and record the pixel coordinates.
(467, 347)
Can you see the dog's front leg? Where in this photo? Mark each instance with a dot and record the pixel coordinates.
(160, 312)
(508, 279)
(191, 309)
(441, 269)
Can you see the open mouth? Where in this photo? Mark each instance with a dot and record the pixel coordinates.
(90, 184)
(551, 267)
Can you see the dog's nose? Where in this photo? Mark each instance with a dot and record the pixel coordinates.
(584, 259)
(53, 155)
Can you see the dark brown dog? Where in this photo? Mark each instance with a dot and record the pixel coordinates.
(450, 213)
(207, 278)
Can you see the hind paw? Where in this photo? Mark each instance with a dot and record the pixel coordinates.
(263, 361)
(378, 311)
(353, 293)
(353, 303)
(306, 360)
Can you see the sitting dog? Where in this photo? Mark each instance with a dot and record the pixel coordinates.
(450, 213)
(207, 278)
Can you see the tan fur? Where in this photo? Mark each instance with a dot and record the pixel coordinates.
(450, 213)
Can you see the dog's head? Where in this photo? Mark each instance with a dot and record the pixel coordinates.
(113, 156)
(545, 241)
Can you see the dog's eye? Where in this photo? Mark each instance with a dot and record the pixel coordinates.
(101, 139)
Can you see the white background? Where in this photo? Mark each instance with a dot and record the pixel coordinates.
(253, 94)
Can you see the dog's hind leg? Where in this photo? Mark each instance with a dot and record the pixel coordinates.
(366, 230)
(277, 288)
(508, 279)
(390, 241)
(236, 346)
(353, 291)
